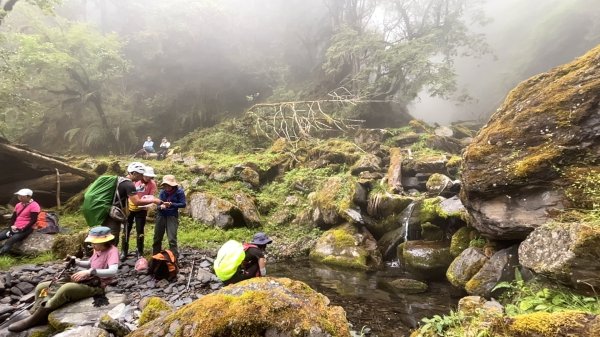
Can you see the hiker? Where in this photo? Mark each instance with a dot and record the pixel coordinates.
(255, 263)
(99, 271)
(163, 149)
(145, 188)
(126, 192)
(147, 147)
(172, 198)
(23, 218)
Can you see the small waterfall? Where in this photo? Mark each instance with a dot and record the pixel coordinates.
(405, 218)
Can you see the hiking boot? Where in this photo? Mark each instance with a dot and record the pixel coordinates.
(39, 317)
(123, 256)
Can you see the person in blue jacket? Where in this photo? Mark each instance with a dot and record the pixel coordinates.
(172, 199)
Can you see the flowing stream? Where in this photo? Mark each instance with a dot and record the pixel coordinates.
(368, 299)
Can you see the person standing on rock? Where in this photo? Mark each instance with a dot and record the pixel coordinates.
(255, 262)
(145, 189)
(99, 271)
(172, 198)
(23, 218)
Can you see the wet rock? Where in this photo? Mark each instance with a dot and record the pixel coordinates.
(346, 246)
(382, 205)
(429, 259)
(568, 253)
(84, 331)
(499, 268)
(409, 286)
(465, 266)
(82, 312)
(288, 308)
(438, 184)
(461, 240)
(114, 321)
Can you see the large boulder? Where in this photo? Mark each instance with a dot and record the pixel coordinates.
(538, 144)
(347, 247)
(465, 266)
(215, 211)
(35, 244)
(568, 253)
(262, 306)
(335, 196)
(430, 259)
(499, 268)
(83, 312)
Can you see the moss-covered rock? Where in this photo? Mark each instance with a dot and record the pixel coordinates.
(431, 232)
(153, 308)
(568, 253)
(558, 324)
(408, 286)
(428, 258)
(461, 239)
(465, 266)
(513, 171)
(345, 246)
(257, 307)
(335, 195)
(69, 244)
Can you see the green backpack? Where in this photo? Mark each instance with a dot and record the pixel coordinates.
(98, 199)
(229, 257)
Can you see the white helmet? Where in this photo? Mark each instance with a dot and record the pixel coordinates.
(149, 172)
(136, 167)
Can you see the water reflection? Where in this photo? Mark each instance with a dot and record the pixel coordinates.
(367, 297)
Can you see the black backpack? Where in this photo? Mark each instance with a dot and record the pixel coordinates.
(163, 265)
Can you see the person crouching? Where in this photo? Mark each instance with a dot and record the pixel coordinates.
(100, 270)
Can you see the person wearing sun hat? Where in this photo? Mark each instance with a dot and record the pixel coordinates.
(23, 218)
(91, 281)
(145, 188)
(172, 199)
(255, 262)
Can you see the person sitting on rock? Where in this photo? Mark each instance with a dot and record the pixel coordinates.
(100, 271)
(147, 148)
(23, 218)
(255, 262)
(163, 149)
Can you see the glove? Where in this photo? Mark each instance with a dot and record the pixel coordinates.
(100, 300)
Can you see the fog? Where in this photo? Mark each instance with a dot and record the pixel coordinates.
(526, 37)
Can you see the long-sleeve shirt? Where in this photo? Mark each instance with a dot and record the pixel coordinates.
(177, 200)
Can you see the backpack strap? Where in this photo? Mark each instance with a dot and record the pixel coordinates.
(248, 245)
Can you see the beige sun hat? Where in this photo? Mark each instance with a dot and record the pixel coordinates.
(169, 179)
(149, 172)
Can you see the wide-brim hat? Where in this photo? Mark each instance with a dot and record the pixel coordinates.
(24, 192)
(261, 239)
(99, 234)
(169, 179)
(149, 172)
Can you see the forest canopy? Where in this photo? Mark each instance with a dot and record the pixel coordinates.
(100, 75)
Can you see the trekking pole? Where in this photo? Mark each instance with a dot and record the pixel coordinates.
(190, 278)
(43, 293)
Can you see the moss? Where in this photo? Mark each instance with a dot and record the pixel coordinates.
(454, 162)
(583, 189)
(461, 239)
(69, 244)
(539, 159)
(545, 324)
(336, 193)
(430, 210)
(430, 232)
(346, 250)
(155, 308)
(248, 308)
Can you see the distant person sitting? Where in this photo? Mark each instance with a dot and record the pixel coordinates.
(23, 218)
(147, 148)
(163, 149)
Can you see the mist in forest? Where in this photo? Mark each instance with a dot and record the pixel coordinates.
(118, 70)
(526, 37)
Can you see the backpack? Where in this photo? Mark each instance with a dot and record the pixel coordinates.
(163, 265)
(47, 223)
(98, 199)
(229, 258)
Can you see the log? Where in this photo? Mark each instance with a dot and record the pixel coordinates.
(44, 161)
(46, 184)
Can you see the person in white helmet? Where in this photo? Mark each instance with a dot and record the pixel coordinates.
(127, 193)
(146, 188)
(23, 218)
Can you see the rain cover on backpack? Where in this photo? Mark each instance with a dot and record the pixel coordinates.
(98, 199)
(229, 258)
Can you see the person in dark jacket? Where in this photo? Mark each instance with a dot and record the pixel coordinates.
(22, 220)
(167, 216)
(255, 262)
